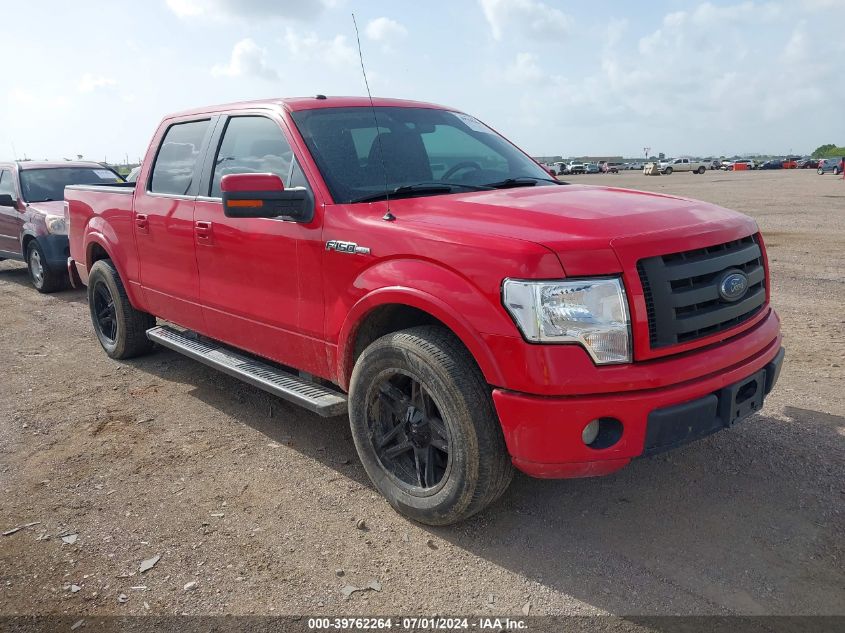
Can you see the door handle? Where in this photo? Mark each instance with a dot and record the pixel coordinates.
(141, 222)
(202, 230)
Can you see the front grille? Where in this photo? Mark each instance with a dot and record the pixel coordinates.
(682, 297)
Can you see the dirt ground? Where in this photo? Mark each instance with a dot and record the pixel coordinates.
(256, 501)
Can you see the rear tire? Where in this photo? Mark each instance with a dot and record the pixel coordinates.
(44, 278)
(120, 328)
(425, 428)
(701, 170)
(836, 171)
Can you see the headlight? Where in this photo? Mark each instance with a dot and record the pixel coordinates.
(591, 312)
(55, 224)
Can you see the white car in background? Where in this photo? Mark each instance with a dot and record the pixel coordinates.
(682, 164)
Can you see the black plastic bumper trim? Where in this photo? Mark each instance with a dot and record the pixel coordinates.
(671, 427)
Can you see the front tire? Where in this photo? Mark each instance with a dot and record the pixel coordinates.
(668, 171)
(44, 278)
(425, 428)
(120, 328)
(836, 171)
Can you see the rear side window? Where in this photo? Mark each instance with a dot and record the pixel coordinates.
(173, 171)
(7, 184)
(252, 144)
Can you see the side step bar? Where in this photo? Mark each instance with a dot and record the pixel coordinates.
(314, 397)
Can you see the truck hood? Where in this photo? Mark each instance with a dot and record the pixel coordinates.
(590, 228)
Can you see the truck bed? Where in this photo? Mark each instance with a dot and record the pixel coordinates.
(104, 211)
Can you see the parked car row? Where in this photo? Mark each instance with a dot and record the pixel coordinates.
(670, 165)
(561, 168)
(419, 273)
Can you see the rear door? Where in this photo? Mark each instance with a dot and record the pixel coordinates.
(259, 277)
(163, 220)
(10, 218)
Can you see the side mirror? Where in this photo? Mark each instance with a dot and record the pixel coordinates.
(264, 196)
(6, 200)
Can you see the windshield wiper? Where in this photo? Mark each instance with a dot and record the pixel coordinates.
(521, 181)
(419, 189)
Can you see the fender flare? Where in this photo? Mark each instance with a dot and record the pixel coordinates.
(93, 237)
(99, 231)
(26, 233)
(420, 300)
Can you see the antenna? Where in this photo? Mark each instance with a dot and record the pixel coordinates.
(389, 217)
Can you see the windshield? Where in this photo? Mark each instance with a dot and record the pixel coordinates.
(446, 151)
(41, 185)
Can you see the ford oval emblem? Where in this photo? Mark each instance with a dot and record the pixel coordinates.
(733, 285)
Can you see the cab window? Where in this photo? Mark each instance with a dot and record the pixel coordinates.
(173, 172)
(254, 144)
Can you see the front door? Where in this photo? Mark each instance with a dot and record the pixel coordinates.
(11, 219)
(164, 224)
(259, 277)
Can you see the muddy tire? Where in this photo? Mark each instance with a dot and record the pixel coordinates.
(120, 328)
(424, 424)
(43, 278)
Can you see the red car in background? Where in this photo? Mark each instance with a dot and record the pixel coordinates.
(32, 218)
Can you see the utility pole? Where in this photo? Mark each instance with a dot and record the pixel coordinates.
(646, 152)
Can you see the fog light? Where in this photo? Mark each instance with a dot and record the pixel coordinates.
(602, 433)
(590, 432)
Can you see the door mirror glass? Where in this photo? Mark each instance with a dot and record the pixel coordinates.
(6, 200)
(264, 196)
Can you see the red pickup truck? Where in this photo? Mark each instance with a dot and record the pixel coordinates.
(406, 264)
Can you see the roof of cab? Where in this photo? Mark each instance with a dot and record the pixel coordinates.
(50, 164)
(293, 104)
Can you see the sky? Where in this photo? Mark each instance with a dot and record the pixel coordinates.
(611, 77)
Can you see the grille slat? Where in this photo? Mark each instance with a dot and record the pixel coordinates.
(682, 296)
(709, 264)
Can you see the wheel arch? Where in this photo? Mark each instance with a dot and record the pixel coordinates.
(392, 309)
(97, 247)
(26, 239)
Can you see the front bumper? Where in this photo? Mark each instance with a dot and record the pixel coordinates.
(56, 250)
(543, 434)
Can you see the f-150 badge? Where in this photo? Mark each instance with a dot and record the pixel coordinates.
(347, 247)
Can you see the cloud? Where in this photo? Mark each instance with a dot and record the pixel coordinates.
(532, 17)
(90, 83)
(658, 81)
(385, 30)
(223, 9)
(305, 47)
(523, 70)
(248, 60)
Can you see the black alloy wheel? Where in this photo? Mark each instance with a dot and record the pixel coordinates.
(407, 432)
(105, 315)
